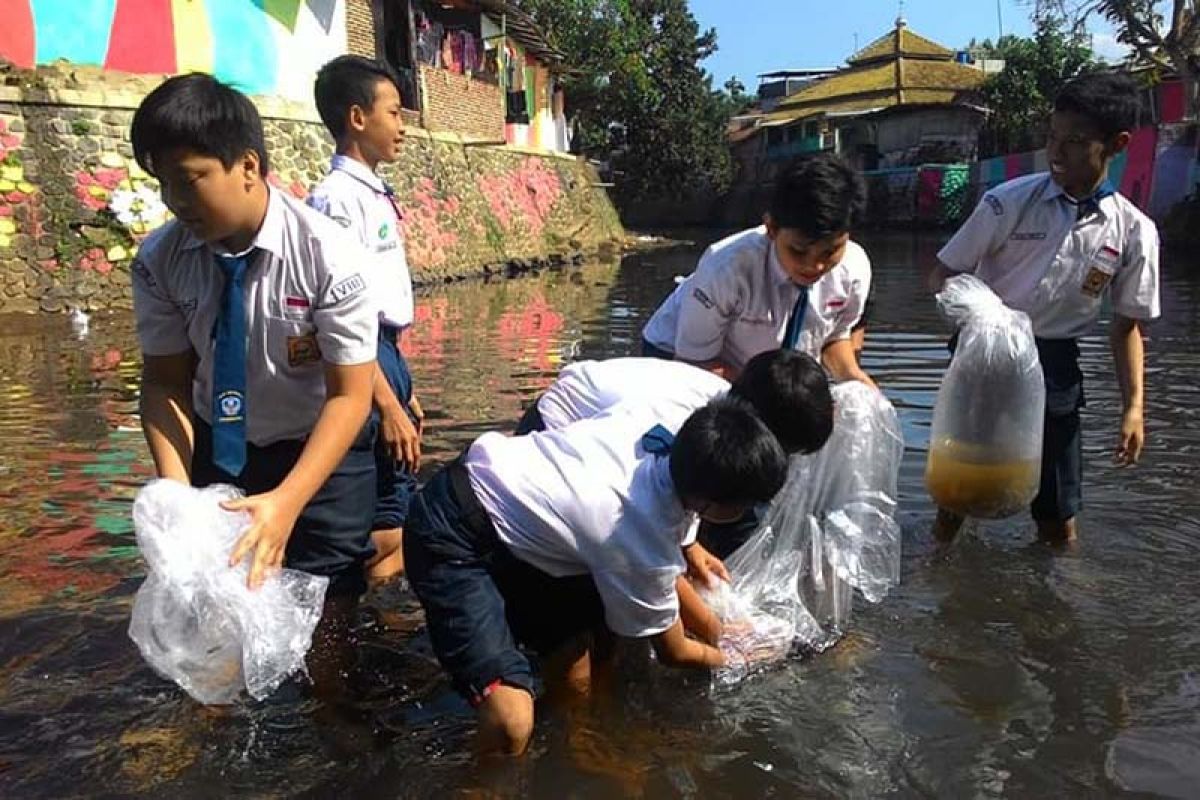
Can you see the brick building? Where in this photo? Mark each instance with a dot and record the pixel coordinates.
(478, 68)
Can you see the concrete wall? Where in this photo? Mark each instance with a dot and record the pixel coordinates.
(269, 47)
(68, 180)
(931, 136)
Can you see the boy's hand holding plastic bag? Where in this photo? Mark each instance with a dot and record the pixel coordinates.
(271, 519)
(985, 444)
(703, 567)
(195, 620)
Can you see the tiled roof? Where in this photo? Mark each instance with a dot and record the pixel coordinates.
(914, 75)
(911, 44)
(927, 74)
(840, 105)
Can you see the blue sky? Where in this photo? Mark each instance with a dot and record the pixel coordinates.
(761, 35)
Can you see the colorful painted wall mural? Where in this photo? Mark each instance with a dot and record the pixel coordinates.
(1153, 171)
(933, 195)
(262, 46)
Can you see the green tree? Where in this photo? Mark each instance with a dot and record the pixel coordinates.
(1166, 42)
(1020, 98)
(637, 92)
(733, 98)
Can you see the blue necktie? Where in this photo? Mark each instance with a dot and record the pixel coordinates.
(1090, 205)
(795, 322)
(229, 370)
(657, 441)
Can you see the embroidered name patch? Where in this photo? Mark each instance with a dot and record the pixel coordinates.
(702, 298)
(996, 205)
(1028, 236)
(348, 288)
(303, 350)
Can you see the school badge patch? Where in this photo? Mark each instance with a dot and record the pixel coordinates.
(229, 406)
(1098, 277)
(303, 350)
(1095, 282)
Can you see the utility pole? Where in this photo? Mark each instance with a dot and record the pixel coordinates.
(999, 19)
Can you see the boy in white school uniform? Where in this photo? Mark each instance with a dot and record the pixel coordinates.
(787, 389)
(1054, 245)
(538, 540)
(258, 340)
(796, 282)
(359, 102)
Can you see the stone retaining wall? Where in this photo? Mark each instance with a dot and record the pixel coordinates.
(74, 204)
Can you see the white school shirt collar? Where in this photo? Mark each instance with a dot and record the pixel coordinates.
(1053, 192)
(359, 171)
(270, 234)
(774, 268)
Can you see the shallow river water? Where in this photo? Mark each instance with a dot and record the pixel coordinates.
(1000, 668)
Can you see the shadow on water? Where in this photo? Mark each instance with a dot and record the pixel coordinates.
(998, 668)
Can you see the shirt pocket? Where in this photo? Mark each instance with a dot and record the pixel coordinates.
(752, 333)
(292, 346)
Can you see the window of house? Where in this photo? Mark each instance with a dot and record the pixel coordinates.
(450, 38)
(395, 44)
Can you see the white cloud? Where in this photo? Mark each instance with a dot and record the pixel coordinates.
(1107, 48)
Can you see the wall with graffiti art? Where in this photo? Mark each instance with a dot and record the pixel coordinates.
(1156, 171)
(75, 205)
(261, 46)
(933, 195)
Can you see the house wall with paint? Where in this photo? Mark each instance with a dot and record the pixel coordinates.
(264, 47)
(1134, 172)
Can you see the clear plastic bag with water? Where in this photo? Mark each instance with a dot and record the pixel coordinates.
(985, 445)
(829, 531)
(195, 620)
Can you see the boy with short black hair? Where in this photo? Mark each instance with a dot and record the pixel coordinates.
(258, 339)
(796, 282)
(1052, 245)
(538, 539)
(359, 102)
(786, 388)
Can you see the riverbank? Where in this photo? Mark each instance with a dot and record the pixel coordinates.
(74, 204)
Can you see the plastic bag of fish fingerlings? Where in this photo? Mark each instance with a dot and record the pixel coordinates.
(985, 446)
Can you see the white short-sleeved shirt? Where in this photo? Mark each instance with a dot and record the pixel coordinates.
(737, 303)
(588, 499)
(355, 197)
(673, 390)
(307, 302)
(1025, 241)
